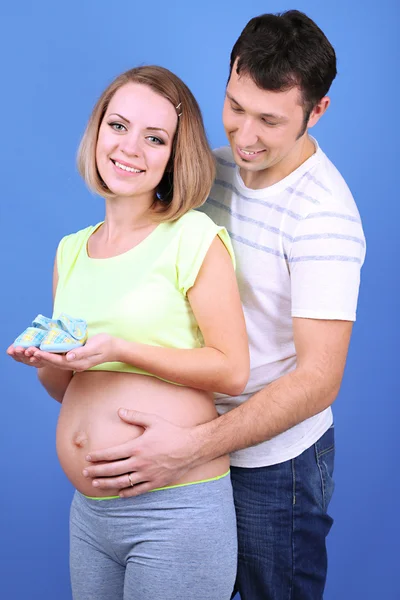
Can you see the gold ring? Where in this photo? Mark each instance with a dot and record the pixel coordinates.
(130, 480)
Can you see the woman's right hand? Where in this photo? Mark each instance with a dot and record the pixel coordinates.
(25, 356)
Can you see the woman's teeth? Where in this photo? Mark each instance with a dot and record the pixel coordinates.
(125, 168)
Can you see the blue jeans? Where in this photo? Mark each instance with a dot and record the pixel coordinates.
(282, 525)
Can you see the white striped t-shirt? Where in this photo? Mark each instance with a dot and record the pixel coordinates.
(299, 247)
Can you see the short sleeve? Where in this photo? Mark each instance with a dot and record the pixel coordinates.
(197, 234)
(61, 253)
(327, 253)
(69, 248)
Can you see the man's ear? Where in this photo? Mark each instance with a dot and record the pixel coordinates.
(318, 110)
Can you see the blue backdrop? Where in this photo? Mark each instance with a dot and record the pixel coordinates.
(56, 59)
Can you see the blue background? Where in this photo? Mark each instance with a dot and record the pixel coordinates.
(56, 58)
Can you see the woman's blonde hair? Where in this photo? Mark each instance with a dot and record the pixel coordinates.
(191, 170)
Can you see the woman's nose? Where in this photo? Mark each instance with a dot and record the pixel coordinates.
(130, 145)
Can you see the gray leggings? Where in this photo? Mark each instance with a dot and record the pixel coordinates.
(172, 544)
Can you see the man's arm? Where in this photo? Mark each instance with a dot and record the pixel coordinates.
(321, 348)
(165, 452)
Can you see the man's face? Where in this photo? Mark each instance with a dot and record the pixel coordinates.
(265, 130)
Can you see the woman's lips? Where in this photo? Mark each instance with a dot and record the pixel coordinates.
(123, 168)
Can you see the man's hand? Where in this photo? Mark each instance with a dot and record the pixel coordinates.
(160, 456)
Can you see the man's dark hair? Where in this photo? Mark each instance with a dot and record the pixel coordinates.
(279, 51)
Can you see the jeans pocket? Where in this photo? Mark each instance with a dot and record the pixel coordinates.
(325, 457)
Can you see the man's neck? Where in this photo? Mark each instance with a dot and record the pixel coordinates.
(257, 180)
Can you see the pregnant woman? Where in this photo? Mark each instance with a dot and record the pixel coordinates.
(155, 283)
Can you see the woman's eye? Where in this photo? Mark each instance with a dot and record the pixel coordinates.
(154, 139)
(117, 126)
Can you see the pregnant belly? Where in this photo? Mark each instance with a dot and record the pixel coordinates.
(89, 420)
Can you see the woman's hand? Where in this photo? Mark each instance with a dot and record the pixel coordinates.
(98, 349)
(25, 356)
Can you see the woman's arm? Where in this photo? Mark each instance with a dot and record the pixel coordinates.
(223, 364)
(54, 380)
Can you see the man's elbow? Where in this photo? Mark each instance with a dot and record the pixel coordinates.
(328, 394)
(334, 392)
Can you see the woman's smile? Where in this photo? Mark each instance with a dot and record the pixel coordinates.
(125, 168)
(134, 143)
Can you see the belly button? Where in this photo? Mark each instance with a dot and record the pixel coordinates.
(80, 439)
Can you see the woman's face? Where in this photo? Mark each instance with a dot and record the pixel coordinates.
(135, 141)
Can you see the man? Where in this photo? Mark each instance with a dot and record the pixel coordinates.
(299, 246)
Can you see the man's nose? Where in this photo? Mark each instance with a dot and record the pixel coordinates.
(246, 134)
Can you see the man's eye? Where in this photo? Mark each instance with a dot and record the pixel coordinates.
(236, 110)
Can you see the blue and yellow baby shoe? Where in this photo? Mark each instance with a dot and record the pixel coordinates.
(34, 335)
(69, 334)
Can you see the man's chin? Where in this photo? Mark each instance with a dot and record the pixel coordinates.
(252, 166)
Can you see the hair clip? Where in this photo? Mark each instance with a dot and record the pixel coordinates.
(177, 108)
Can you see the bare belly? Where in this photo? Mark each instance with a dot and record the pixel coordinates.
(89, 421)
